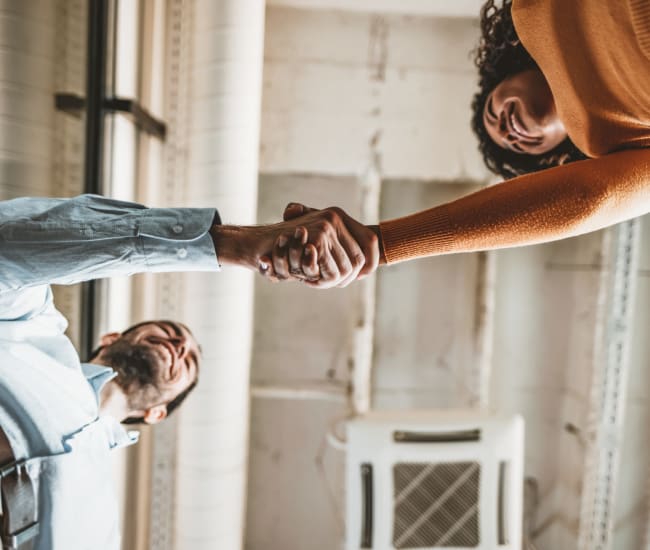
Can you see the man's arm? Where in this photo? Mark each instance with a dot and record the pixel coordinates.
(65, 241)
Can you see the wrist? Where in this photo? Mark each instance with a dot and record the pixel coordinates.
(377, 231)
(235, 245)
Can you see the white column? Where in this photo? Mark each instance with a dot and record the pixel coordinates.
(226, 81)
(480, 375)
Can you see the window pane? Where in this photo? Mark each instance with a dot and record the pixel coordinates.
(127, 49)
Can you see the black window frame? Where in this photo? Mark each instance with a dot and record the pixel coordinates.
(96, 105)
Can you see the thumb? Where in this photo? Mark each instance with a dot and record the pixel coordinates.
(295, 210)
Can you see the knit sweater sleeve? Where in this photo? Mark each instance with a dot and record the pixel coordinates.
(545, 206)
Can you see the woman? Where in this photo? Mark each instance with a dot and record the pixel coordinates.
(564, 72)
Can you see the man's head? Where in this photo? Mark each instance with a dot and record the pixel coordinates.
(157, 365)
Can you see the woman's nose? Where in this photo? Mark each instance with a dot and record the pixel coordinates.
(504, 130)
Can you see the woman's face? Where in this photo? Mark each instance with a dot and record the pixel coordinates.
(520, 115)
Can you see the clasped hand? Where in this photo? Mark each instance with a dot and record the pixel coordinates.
(322, 248)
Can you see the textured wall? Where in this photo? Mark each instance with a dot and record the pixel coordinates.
(295, 491)
(332, 80)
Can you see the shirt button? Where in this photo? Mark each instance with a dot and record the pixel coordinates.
(177, 229)
(181, 253)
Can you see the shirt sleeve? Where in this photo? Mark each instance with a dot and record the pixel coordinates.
(553, 204)
(66, 241)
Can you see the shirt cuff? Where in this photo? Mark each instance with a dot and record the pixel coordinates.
(178, 239)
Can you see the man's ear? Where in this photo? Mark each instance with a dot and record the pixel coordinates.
(155, 414)
(108, 339)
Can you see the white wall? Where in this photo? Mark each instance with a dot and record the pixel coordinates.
(301, 335)
(334, 79)
(545, 316)
(436, 8)
(425, 314)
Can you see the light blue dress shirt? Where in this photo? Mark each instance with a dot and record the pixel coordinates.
(48, 398)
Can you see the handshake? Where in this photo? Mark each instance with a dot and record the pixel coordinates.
(322, 248)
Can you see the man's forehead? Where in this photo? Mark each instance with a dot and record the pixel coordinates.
(168, 326)
(179, 329)
(176, 328)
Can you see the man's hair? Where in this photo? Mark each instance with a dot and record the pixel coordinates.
(499, 55)
(173, 404)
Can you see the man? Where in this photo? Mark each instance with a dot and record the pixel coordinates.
(60, 418)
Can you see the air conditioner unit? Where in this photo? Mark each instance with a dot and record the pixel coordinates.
(433, 480)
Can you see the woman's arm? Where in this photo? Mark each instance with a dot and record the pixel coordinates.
(545, 206)
(554, 204)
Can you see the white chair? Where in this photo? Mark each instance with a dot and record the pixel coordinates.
(434, 479)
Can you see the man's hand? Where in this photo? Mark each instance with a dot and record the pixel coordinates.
(328, 249)
(293, 255)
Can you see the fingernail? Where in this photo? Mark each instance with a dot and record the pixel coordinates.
(282, 241)
(297, 234)
(264, 266)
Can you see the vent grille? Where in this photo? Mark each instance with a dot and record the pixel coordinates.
(436, 505)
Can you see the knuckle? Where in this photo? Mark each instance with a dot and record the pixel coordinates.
(358, 259)
(326, 227)
(327, 275)
(331, 214)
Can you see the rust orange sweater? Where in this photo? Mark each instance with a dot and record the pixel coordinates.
(595, 56)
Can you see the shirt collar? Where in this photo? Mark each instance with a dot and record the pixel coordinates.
(98, 376)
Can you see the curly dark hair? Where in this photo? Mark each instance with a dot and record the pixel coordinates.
(499, 55)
